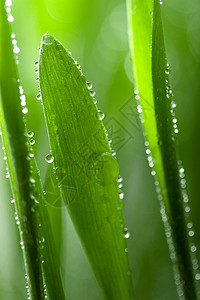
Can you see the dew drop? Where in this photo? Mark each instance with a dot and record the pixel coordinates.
(191, 233)
(47, 39)
(89, 85)
(30, 133)
(25, 110)
(14, 42)
(189, 225)
(10, 19)
(120, 179)
(106, 169)
(38, 97)
(101, 115)
(32, 180)
(8, 3)
(32, 141)
(36, 63)
(187, 209)
(92, 93)
(193, 248)
(16, 50)
(173, 104)
(49, 158)
(126, 233)
(197, 276)
(121, 195)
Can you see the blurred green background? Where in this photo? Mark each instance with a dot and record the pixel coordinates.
(96, 34)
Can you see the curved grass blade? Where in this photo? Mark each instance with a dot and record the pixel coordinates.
(151, 74)
(19, 164)
(85, 167)
(32, 219)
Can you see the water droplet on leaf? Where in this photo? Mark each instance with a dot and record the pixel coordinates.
(101, 115)
(47, 39)
(49, 158)
(106, 169)
(126, 233)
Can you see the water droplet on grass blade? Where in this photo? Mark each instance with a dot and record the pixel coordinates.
(101, 115)
(106, 169)
(197, 276)
(32, 141)
(25, 110)
(126, 233)
(30, 134)
(8, 3)
(47, 39)
(16, 50)
(10, 19)
(38, 97)
(92, 93)
(89, 85)
(49, 158)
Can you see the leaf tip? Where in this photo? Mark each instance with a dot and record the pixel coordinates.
(47, 39)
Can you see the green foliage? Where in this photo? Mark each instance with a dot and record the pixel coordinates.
(80, 170)
(87, 171)
(31, 214)
(150, 59)
(16, 143)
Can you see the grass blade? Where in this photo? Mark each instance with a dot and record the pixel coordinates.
(50, 260)
(85, 167)
(165, 124)
(32, 217)
(19, 160)
(151, 75)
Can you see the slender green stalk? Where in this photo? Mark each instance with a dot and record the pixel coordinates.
(164, 119)
(32, 217)
(151, 73)
(15, 139)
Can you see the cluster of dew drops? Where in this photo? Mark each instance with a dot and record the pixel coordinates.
(16, 51)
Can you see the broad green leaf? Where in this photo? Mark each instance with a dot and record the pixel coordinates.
(86, 169)
(31, 215)
(151, 79)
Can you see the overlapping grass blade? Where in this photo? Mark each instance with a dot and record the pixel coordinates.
(86, 170)
(32, 218)
(151, 73)
(50, 257)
